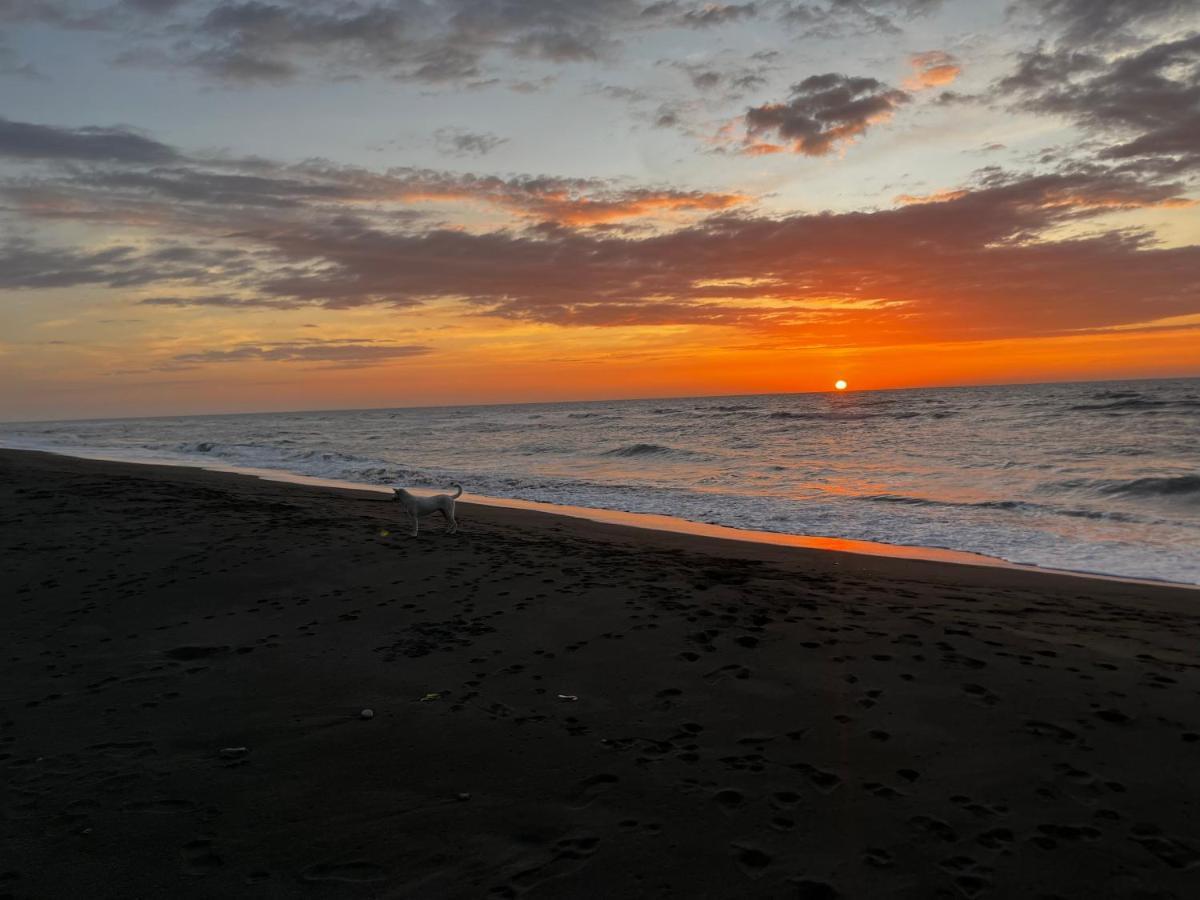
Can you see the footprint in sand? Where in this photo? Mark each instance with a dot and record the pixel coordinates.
(591, 788)
(752, 860)
(730, 671)
(569, 856)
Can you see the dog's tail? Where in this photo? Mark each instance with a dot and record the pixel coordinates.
(455, 484)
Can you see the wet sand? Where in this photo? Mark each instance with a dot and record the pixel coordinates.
(562, 708)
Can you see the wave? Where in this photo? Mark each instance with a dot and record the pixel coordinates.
(1137, 403)
(1185, 487)
(647, 450)
(1007, 505)
(925, 501)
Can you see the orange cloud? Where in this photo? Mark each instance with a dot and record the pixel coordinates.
(935, 197)
(933, 68)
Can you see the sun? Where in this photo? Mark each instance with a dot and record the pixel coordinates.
(840, 384)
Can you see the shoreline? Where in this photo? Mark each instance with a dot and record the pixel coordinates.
(651, 522)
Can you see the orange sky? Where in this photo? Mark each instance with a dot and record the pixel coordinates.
(598, 201)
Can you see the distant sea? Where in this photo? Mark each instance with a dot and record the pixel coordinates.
(1090, 477)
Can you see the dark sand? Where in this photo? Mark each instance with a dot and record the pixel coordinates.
(751, 721)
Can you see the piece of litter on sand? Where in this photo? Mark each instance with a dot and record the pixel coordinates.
(432, 696)
(234, 752)
(570, 698)
(464, 796)
(384, 533)
(367, 714)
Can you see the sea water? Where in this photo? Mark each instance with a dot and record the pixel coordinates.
(1091, 477)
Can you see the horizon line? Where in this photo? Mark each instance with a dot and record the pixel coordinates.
(848, 391)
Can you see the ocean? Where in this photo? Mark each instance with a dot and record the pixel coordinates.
(1090, 477)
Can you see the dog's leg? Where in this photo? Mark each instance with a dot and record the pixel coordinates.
(451, 522)
(416, 522)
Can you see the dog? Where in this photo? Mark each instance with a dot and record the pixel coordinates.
(422, 506)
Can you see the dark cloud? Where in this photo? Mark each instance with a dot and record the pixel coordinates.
(253, 41)
(337, 354)
(460, 142)
(219, 300)
(199, 193)
(1003, 256)
(24, 265)
(1146, 103)
(25, 140)
(822, 112)
(154, 7)
(1084, 22)
(971, 259)
(733, 79)
(845, 18)
(717, 14)
(985, 261)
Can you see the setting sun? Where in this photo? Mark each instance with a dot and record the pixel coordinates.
(840, 384)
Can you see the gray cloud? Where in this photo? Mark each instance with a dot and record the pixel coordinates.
(703, 15)
(1088, 22)
(250, 41)
(822, 112)
(460, 142)
(24, 265)
(1146, 103)
(337, 354)
(24, 140)
(845, 18)
(983, 261)
(973, 263)
(199, 193)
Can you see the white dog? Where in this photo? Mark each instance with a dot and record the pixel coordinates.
(422, 506)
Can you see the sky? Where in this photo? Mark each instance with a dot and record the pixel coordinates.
(238, 206)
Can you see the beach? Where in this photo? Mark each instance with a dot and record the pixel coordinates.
(562, 708)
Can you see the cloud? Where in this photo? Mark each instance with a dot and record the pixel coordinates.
(732, 79)
(822, 112)
(450, 41)
(199, 192)
(219, 300)
(1111, 22)
(24, 140)
(1004, 255)
(970, 263)
(933, 68)
(849, 18)
(1146, 103)
(338, 354)
(24, 265)
(717, 14)
(460, 142)
(986, 260)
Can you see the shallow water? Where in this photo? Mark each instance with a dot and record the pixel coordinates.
(1092, 477)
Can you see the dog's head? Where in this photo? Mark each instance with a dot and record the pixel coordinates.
(397, 492)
